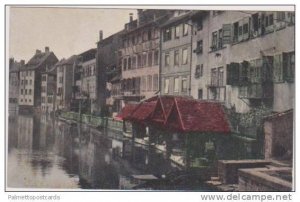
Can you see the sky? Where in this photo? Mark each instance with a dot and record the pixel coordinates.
(66, 31)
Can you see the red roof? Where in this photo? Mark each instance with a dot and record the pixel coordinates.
(180, 114)
(126, 111)
(198, 116)
(162, 109)
(143, 111)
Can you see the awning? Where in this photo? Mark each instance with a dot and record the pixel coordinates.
(181, 114)
(198, 116)
(126, 111)
(143, 111)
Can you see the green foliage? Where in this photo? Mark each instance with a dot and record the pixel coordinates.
(254, 117)
(248, 123)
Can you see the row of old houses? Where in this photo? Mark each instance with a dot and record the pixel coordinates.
(240, 59)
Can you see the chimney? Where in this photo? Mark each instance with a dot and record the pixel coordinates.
(22, 62)
(38, 51)
(47, 49)
(130, 17)
(100, 35)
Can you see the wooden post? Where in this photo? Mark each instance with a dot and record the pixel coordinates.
(187, 152)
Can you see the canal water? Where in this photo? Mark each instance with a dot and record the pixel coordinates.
(48, 153)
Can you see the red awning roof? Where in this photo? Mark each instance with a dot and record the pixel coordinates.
(197, 116)
(126, 111)
(162, 109)
(180, 114)
(143, 111)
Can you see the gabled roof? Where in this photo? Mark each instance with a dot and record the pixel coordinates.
(69, 61)
(200, 116)
(37, 60)
(126, 111)
(182, 114)
(142, 112)
(162, 109)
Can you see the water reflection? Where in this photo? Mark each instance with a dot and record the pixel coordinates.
(46, 153)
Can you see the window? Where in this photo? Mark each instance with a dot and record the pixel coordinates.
(184, 85)
(149, 82)
(29, 100)
(125, 64)
(184, 56)
(200, 94)
(124, 43)
(167, 59)
(30, 82)
(235, 31)
(199, 49)
(144, 60)
(29, 73)
(254, 72)
(21, 91)
(61, 79)
(49, 99)
(166, 90)
(155, 82)
(167, 34)
(289, 66)
(220, 76)
(277, 68)
(26, 82)
(185, 29)
(44, 78)
(150, 59)
(214, 77)
(269, 20)
(133, 62)
(214, 43)
(255, 23)
(199, 71)
(139, 60)
(139, 37)
(176, 85)
(176, 58)
(30, 92)
(220, 39)
(129, 63)
(144, 83)
(177, 31)
(245, 28)
(149, 35)
(199, 24)
(156, 57)
(25, 100)
(25, 91)
(43, 89)
(145, 36)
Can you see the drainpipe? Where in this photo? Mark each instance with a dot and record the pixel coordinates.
(160, 65)
(191, 57)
